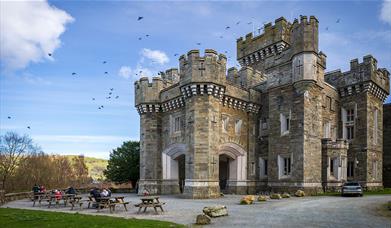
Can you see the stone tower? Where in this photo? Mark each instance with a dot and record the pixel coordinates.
(279, 123)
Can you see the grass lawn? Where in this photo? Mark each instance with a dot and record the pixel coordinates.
(30, 218)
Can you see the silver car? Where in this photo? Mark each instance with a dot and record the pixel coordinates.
(352, 188)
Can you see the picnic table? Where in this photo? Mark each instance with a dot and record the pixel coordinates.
(111, 202)
(56, 199)
(150, 201)
(38, 197)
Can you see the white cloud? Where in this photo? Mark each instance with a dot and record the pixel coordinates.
(385, 13)
(155, 55)
(29, 30)
(125, 72)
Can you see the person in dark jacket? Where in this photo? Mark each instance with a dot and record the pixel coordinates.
(70, 190)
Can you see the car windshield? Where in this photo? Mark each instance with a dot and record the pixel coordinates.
(352, 184)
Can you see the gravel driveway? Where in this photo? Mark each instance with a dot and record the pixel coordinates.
(326, 211)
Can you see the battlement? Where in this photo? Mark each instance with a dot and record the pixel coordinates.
(171, 75)
(196, 68)
(148, 92)
(300, 36)
(364, 76)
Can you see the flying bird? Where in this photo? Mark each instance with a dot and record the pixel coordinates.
(221, 37)
(338, 20)
(93, 98)
(73, 73)
(140, 38)
(110, 93)
(249, 23)
(111, 89)
(139, 18)
(9, 117)
(104, 62)
(28, 127)
(106, 72)
(327, 28)
(116, 97)
(237, 23)
(49, 54)
(175, 54)
(227, 27)
(198, 43)
(147, 35)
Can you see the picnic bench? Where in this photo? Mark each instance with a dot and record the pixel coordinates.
(38, 197)
(111, 202)
(150, 201)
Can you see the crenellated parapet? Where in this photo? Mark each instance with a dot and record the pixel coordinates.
(208, 68)
(300, 36)
(246, 77)
(362, 77)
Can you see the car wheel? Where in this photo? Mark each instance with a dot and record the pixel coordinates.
(361, 195)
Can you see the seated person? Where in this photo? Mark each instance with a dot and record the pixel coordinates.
(96, 194)
(42, 189)
(57, 194)
(104, 193)
(70, 190)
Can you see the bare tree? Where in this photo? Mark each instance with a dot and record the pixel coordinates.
(13, 150)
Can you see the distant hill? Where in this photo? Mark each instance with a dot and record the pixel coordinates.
(95, 166)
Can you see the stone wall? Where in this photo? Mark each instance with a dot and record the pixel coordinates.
(387, 145)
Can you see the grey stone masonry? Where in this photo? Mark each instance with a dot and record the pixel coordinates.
(279, 123)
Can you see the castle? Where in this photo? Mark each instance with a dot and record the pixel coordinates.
(279, 123)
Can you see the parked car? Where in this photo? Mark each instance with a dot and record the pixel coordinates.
(352, 188)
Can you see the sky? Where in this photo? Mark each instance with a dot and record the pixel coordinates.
(98, 47)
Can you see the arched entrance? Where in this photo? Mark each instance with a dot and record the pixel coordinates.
(223, 171)
(232, 165)
(173, 166)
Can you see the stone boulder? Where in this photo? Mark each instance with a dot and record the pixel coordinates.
(275, 196)
(215, 211)
(249, 199)
(286, 195)
(262, 198)
(203, 219)
(299, 193)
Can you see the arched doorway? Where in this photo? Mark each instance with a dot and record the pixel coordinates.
(173, 165)
(233, 162)
(223, 171)
(181, 171)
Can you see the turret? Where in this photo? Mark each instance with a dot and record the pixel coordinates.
(148, 92)
(208, 68)
(304, 35)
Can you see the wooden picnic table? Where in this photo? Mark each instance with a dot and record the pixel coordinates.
(150, 201)
(38, 197)
(111, 202)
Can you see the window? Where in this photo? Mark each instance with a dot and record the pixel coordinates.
(284, 166)
(285, 124)
(264, 123)
(177, 125)
(332, 161)
(287, 166)
(350, 115)
(349, 123)
(375, 126)
(263, 167)
(238, 126)
(350, 168)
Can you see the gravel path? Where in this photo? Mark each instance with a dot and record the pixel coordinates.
(327, 211)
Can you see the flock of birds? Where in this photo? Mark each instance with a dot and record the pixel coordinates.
(111, 95)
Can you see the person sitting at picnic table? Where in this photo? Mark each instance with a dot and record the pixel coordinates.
(104, 193)
(70, 190)
(96, 194)
(57, 194)
(42, 189)
(36, 188)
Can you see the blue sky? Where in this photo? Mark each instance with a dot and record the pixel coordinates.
(40, 91)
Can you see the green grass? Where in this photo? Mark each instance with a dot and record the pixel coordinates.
(30, 218)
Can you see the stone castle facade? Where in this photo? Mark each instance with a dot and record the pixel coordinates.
(279, 123)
